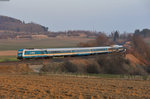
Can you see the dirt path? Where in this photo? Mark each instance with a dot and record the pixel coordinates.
(8, 53)
(64, 87)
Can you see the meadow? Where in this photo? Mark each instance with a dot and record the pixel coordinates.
(41, 43)
(8, 58)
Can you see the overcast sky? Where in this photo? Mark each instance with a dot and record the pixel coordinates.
(99, 15)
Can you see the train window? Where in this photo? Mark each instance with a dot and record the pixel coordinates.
(86, 50)
(67, 51)
(94, 49)
(57, 51)
(29, 52)
(99, 49)
(53, 51)
(20, 51)
(42, 52)
(33, 52)
(26, 52)
(80, 50)
(74, 50)
(39, 52)
(49, 52)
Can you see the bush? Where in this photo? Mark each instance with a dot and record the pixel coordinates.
(101, 40)
(69, 67)
(147, 68)
(104, 64)
(93, 68)
(52, 68)
(141, 47)
(113, 64)
(139, 70)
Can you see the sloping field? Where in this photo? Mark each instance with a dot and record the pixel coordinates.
(65, 87)
(44, 43)
(134, 60)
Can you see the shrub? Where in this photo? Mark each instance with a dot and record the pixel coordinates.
(139, 70)
(52, 68)
(104, 64)
(69, 67)
(93, 68)
(101, 40)
(141, 47)
(113, 64)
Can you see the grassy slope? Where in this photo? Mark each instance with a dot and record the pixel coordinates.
(46, 43)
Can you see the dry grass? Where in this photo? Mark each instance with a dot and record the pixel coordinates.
(134, 60)
(64, 87)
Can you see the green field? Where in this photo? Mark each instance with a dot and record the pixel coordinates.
(46, 43)
(8, 58)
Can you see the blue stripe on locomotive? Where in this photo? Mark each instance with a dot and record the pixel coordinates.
(34, 53)
(35, 56)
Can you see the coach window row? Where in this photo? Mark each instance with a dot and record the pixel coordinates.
(32, 52)
(67, 51)
(99, 49)
(81, 50)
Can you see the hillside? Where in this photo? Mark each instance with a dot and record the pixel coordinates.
(12, 24)
(11, 28)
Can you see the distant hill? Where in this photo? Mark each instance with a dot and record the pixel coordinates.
(12, 24)
(11, 28)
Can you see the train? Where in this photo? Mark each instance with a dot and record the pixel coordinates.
(30, 53)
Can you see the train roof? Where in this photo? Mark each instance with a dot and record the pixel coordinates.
(79, 48)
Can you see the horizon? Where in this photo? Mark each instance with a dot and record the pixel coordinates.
(105, 16)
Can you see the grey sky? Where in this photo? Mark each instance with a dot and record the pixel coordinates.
(99, 15)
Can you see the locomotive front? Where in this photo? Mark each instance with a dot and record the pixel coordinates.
(20, 54)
